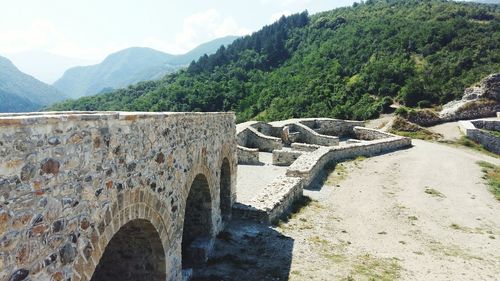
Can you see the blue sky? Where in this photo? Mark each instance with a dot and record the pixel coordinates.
(91, 29)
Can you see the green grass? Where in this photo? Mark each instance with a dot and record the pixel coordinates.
(434, 192)
(368, 267)
(492, 176)
(466, 142)
(422, 135)
(495, 133)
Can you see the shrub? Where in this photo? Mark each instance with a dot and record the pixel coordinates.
(402, 111)
(424, 104)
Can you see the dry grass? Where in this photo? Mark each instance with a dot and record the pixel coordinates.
(491, 173)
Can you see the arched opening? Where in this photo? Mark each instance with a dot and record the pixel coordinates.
(197, 239)
(134, 253)
(225, 190)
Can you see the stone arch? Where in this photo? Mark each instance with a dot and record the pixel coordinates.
(134, 253)
(225, 190)
(136, 213)
(197, 234)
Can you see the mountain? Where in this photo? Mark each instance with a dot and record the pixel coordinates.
(44, 66)
(129, 66)
(20, 92)
(351, 62)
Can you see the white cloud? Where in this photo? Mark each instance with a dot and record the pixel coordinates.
(199, 28)
(276, 16)
(286, 2)
(42, 35)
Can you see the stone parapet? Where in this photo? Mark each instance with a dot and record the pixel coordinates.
(275, 202)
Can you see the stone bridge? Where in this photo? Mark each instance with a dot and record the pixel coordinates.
(112, 195)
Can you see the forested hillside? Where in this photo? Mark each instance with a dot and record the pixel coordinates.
(346, 63)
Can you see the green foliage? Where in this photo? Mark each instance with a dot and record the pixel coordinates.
(402, 111)
(345, 63)
(492, 175)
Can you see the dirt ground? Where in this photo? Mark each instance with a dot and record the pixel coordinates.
(423, 213)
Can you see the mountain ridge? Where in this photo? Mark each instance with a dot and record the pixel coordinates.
(349, 63)
(22, 92)
(129, 66)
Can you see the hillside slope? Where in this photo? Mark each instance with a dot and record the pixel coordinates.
(21, 92)
(346, 63)
(129, 66)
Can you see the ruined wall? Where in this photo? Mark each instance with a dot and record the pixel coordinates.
(479, 131)
(252, 138)
(69, 182)
(332, 127)
(363, 133)
(248, 156)
(308, 135)
(311, 166)
(273, 203)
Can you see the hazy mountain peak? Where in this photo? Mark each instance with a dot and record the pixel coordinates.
(22, 92)
(129, 66)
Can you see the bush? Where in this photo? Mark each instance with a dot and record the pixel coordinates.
(424, 104)
(402, 111)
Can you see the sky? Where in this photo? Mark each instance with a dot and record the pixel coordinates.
(92, 29)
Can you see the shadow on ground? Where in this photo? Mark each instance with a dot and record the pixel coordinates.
(248, 251)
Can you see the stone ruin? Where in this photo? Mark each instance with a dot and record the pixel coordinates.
(304, 149)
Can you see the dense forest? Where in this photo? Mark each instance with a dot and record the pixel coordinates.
(350, 62)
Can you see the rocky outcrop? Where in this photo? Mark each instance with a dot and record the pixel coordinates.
(482, 100)
(479, 101)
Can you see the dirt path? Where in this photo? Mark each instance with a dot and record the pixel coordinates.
(419, 214)
(449, 131)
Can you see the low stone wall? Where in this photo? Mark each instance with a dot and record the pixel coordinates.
(252, 138)
(363, 133)
(476, 131)
(493, 125)
(334, 127)
(308, 135)
(311, 166)
(267, 129)
(248, 156)
(298, 146)
(285, 157)
(488, 140)
(275, 202)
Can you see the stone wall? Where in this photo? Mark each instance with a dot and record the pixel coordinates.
(248, 156)
(297, 146)
(252, 138)
(285, 157)
(275, 202)
(70, 181)
(308, 135)
(312, 166)
(478, 131)
(332, 127)
(363, 133)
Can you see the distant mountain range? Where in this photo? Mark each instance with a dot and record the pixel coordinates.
(44, 66)
(128, 67)
(21, 92)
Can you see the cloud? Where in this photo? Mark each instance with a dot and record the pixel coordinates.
(199, 28)
(38, 34)
(42, 35)
(285, 2)
(276, 16)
